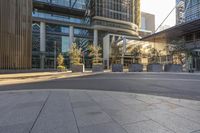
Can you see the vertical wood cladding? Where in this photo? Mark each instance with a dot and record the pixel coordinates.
(15, 34)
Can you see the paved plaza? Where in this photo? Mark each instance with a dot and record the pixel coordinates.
(81, 111)
(102, 103)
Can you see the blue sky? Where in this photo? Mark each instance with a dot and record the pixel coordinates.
(160, 8)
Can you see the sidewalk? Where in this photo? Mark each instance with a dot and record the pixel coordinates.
(7, 79)
(75, 111)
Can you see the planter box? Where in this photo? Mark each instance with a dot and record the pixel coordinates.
(61, 70)
(155, 68)
(78, 68)
(135, 68)
(117, 68)
(97, 68)
(173, 68)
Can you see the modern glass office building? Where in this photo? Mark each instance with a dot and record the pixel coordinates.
(59, 23)
(56, 24)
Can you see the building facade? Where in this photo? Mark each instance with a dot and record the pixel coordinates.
(54, 25)
(59, 23)
(147, 24)
(15, 34)
(180, 9)
(187, 10)
(192, 38)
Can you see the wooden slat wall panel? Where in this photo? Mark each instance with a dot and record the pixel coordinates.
(15, 34)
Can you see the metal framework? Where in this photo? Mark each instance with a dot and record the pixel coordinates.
(49, 6)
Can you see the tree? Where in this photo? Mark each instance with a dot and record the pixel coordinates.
(135, 52)
(60, 61)
(154, 55)
(95, 53)
(177, 48)
(75, 54)
(116, 53)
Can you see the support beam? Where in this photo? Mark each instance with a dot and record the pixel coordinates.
(42, 44)
(71, 35)
(95, 41)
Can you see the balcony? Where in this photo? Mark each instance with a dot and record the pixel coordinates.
(76, 9)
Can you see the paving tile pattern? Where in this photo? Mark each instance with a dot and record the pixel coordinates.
(81, 111)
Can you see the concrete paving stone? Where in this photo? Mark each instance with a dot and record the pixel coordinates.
(83, 104)
(103, 128)
(166, 106)
(172, 121)
(16, 128)
(127, 116)
(196, 131)
(149, 99)
(20, 116)
(21, 97)
(99, 96)
(57, 116)
(146, 127)
(188, 114)
(91, 116)
(16, 115)
(141, 107)
(190, 104)
(126, 99)
(78, 96)
(112, 105)
(132, 103)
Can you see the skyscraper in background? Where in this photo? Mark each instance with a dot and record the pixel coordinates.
(180, 9)
(192, 10)
(187, 10)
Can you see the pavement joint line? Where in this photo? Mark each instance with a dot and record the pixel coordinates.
(162, 125)
(40, 111)
(185, 118)
(106, 112)
(182, 105)
(131, 123)
(74, 114)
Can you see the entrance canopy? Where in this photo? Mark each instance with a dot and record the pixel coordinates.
(176, 31)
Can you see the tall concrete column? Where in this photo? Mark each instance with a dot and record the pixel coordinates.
(42, 44)
(95, 40)
(71, 35)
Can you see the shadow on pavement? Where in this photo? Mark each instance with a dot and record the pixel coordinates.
(174, 89)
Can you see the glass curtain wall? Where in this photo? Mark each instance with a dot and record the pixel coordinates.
(78, 4)
(115, 9)
(192, 10)
(60, 35)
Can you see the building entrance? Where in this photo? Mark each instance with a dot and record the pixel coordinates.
(196, 61)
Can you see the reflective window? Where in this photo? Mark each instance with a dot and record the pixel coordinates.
(60, 18)
(78, 4)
